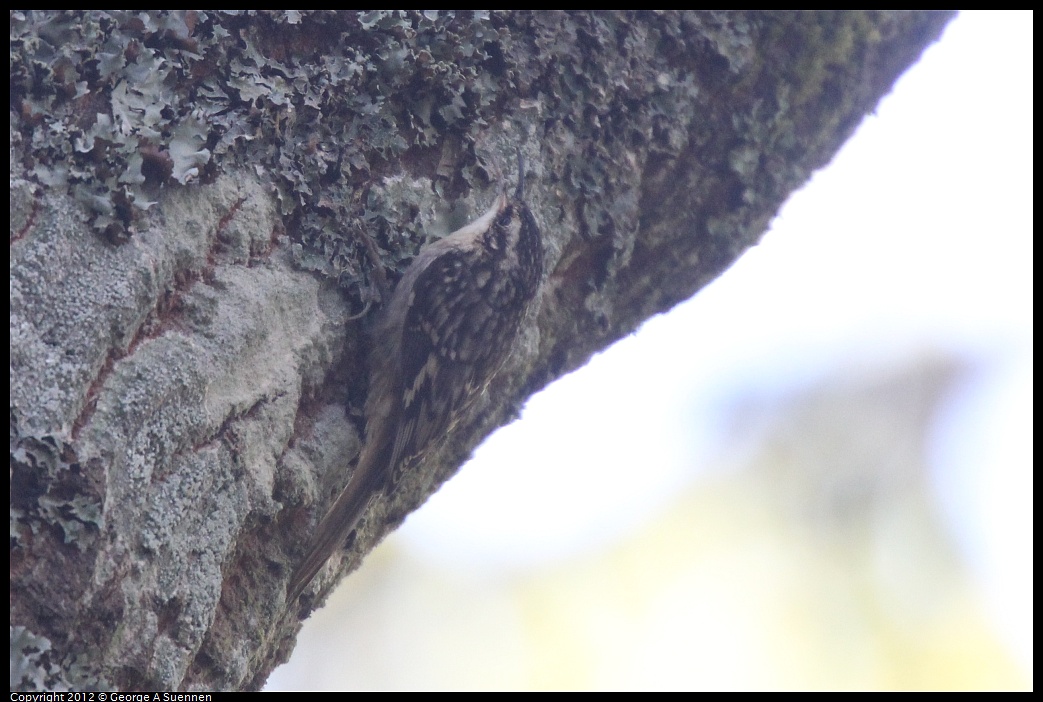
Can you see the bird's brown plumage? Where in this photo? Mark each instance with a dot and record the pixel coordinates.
(447, 330)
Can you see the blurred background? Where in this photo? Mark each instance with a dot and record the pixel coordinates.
(815, 474)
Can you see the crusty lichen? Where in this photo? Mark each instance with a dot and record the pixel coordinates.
(118, 105)
(37, 666)
(329, 105)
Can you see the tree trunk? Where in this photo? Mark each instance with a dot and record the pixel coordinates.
(208, 209)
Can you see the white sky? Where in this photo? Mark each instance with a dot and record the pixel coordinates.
(919, 233)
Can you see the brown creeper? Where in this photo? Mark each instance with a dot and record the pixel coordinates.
(447, 330)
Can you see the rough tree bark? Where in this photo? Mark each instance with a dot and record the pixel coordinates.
(208, 208)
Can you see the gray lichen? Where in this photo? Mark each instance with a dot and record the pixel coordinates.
(35, 666)
(117, 106)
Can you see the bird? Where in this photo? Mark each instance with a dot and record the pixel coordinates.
(447, 330)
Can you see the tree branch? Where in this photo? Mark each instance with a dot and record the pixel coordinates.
(197, 201)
